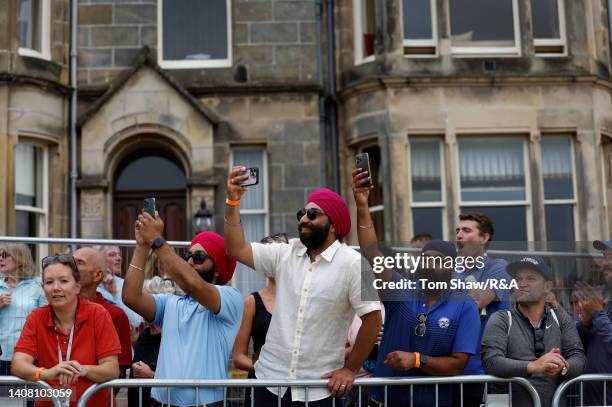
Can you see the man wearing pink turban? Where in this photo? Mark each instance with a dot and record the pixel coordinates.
(318, 291)
(199, 328)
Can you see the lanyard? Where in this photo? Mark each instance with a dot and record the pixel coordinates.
(69, 351)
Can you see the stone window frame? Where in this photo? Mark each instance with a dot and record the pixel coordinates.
(194, 64)
(574, 201)
(527, 203)
(421, 48)
(42, 213)
(476, 51)
(553, 47)
(606, 179)
(358, 46)
(443, 204)
(45, 33)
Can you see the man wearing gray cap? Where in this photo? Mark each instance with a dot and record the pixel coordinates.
(532, 339)
(595, 326)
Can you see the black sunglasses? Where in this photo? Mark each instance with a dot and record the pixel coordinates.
(198, 257)
(312, 213)
(4, 255)
(420, 328)
(65, 259)
(539, 342)
(277, 238)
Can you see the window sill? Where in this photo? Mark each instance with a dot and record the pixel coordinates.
(186, 64)
(369, 58)
(485, 52)
(27, 52)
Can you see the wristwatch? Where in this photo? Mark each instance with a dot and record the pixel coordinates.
(158, 242)
(423, 360)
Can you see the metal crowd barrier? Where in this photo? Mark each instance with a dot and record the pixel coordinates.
(604, 378)
(307, 384)
(14, 380)
(184, 244)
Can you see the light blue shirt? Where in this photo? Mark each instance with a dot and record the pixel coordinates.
(196, 343)
(133, 317)
(27, 296)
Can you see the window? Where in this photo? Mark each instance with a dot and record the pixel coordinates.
(194, 33)
(33, 28)
(419, 26)
(548, 27)
(559, 190)
(376, 202)
(493, 181)
(426, 185)
(365, 30)
(253, 213)
(31, 190)
(484, 27)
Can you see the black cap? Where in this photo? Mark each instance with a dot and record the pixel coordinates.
(441, 246)
(602, 244)
(534, 263)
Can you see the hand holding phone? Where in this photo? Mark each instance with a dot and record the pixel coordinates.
(149, 206)
(362, 161)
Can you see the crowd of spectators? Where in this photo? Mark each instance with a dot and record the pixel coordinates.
(174, 316)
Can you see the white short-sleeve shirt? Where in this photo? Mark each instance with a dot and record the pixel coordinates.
(315, 304)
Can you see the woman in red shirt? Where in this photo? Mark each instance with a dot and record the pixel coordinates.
(73, 341)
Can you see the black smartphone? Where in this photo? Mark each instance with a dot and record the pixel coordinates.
(362, 160)
(253, 174)
(149, 206)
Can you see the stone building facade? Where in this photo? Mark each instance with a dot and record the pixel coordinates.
(506, 110)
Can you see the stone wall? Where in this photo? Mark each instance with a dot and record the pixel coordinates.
(273, 39)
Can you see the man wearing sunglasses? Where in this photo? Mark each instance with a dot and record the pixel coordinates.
(532, 340)
(428, 332)
(318, 292)
(199, 328)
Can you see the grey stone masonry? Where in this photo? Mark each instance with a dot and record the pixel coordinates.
(275, 40)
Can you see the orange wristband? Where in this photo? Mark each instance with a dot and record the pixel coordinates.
(232, 202)
(417, 359)
(38, 373)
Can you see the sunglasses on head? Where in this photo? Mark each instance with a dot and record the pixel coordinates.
(312, 213)
(198, 257)
(65, 259)
(277, 238)
(420, 328)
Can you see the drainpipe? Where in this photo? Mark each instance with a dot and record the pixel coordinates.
(322, 112)
(73, 118)
(331, 96)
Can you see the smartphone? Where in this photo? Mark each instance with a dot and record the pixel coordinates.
(253, 179)
(149, 206)
(362, 160)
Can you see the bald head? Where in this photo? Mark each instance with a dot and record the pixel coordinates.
(91, 265)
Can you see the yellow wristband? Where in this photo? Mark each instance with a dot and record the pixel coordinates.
(417, 359)
(232, 202)
(38, 373)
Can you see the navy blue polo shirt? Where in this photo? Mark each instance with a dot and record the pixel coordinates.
(493, 269)
(452, 325)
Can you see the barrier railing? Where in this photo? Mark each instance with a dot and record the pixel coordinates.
(604, 378)
(14, 380)
(183, 244)
(307, 384)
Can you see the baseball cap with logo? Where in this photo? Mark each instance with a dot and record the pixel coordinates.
(534, 263)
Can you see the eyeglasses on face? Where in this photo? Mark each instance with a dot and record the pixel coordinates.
(421, 327)
(198, 257)
(277, 238)
(312, 213)
(65, 259)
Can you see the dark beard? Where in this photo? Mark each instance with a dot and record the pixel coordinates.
(318, 235)
(208, 276)
(434, 276)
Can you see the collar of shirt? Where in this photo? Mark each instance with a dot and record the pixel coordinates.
(327, 254)
(81, 317)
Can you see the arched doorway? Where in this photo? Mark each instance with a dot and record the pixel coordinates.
(150, 173)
